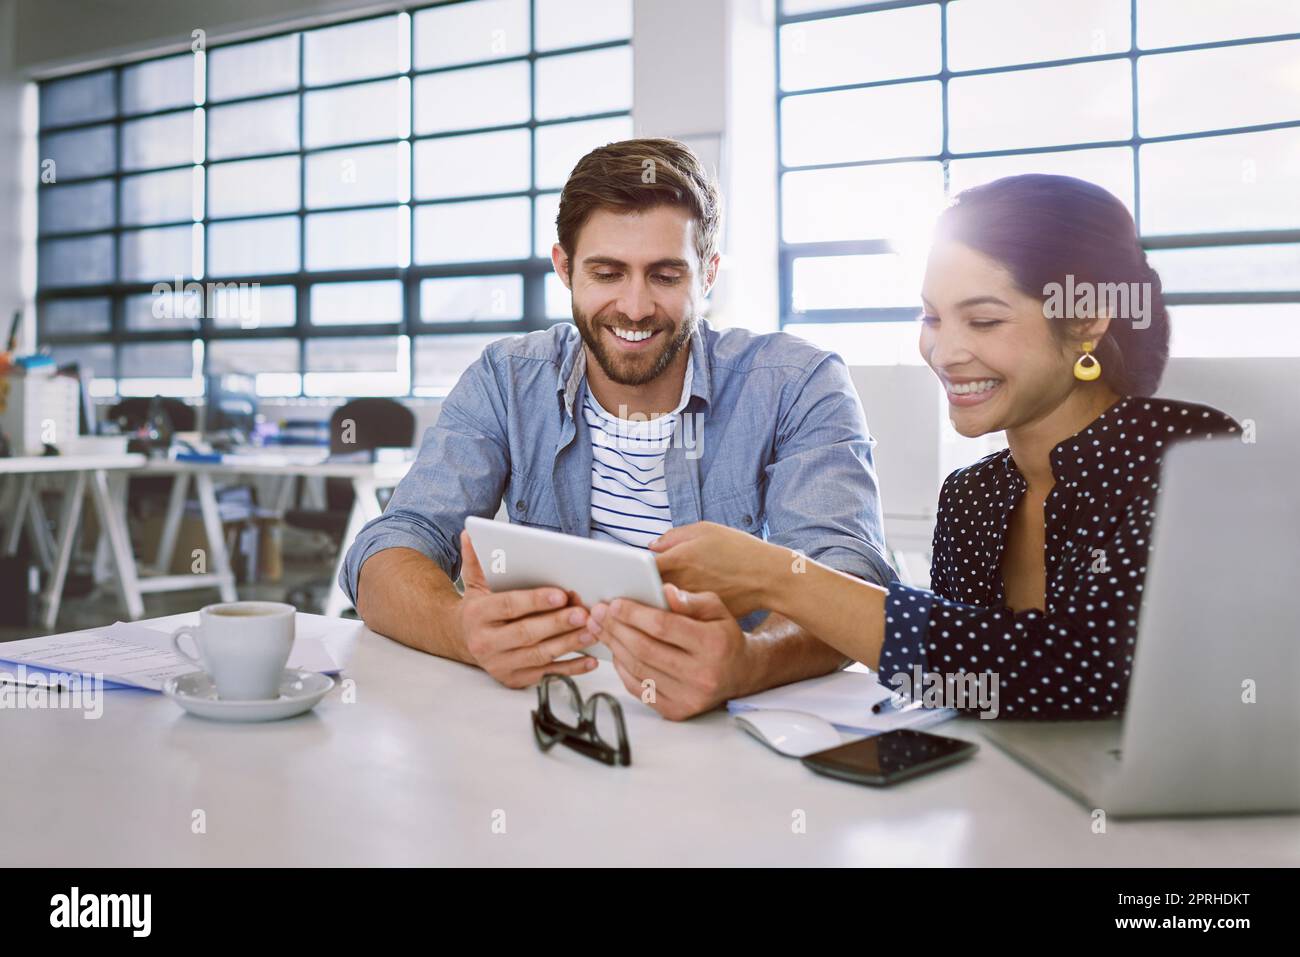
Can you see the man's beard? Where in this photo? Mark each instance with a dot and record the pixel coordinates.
(636, 369)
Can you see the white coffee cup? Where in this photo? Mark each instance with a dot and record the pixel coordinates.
(242, 645)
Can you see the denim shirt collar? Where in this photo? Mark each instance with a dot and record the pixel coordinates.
(573, 368)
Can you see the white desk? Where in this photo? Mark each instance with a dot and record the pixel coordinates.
(79, 472)
(414, 771)
(367, 481)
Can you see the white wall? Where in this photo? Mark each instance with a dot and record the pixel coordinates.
(12, 186)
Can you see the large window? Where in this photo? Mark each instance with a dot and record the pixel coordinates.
(1187, 110)
(349, 210)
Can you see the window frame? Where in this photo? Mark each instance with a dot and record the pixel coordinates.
(533, 268)
(787, 253)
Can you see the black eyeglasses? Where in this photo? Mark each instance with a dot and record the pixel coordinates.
(593, 727)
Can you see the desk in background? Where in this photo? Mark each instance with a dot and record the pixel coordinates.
(105, 477)
(102, 475)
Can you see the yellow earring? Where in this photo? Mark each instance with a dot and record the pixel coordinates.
(1087, 368)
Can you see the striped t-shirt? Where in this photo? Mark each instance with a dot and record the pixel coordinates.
(629, 495)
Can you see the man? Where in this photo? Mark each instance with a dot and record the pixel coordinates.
(636, 418)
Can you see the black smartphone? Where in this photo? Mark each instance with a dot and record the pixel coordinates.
(890, 757)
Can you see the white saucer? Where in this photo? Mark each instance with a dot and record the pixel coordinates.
(299, 692)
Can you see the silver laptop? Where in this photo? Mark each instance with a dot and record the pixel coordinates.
(1221, 614)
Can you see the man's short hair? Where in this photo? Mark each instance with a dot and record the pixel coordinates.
(634, 175)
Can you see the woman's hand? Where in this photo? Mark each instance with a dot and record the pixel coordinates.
(706, 557)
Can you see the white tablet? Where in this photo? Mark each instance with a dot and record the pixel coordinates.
(516, 556)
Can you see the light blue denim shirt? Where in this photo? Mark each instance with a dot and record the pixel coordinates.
(773, 442)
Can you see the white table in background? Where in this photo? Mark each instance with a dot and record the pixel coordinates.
(367, 479)
(435, 764)
(101, 474)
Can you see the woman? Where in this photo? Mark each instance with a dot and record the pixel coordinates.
(1040, 550)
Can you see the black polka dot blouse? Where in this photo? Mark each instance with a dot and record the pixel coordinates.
(1071, 660)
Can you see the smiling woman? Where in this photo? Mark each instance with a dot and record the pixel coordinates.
(1040, 550)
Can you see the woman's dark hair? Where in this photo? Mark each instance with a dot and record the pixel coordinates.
(1043, 228)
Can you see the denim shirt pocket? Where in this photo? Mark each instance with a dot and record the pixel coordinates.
(740, 508)
(531, 501)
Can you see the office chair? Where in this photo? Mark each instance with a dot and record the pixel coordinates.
(361, 425)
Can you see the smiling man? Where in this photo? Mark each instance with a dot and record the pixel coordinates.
(636, 418)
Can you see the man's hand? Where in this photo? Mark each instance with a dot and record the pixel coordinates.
(515, 636)
(694, 654)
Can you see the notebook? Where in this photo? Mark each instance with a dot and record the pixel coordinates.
(844, 699)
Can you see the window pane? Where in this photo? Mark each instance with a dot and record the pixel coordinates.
(1168, 23)
(78, 153)
(494, 95)
(96, 358)
(441, 360)
(1242, 182)
(69, 316)
(1219, 89)
(353, 51)
(347, 303)
(166, 140)
(1110, 168)
(853, 282)
(253, 186)
(859, 49)
(158, 197)
(469, 32)
(561, 145)
(371, 111)
(1235, 331)
(472, 232)
(1228, 268)
(250, 305)
(860, 202)
(548, 208)
(599, 81)
(902, 120)
(472, 165)
(354, 240)
(559, 303)
(158, 84)
(78, 99)
(250, 69)
(374, 365)
(357, 176)
(246, 129)
(978, 36)
(468, 298)
(167, 310)
(157, 253)
(352, 354)
(86, 261)
(253, 247)
(252, 356)
(1098, 94)
(576, 23)
(76, 208)
(158, 360)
